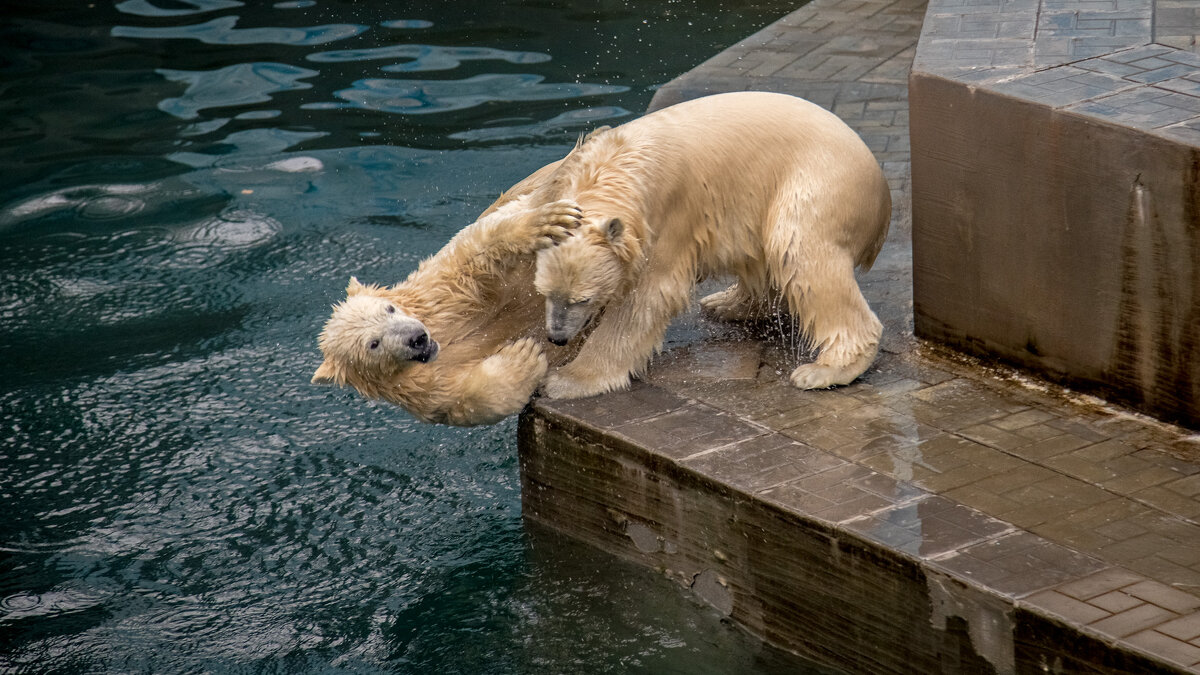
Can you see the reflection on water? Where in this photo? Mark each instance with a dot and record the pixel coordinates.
(146, 8)
(188, 184)
(223, 31)
(236, 85)
(427, 57)
(423, 96)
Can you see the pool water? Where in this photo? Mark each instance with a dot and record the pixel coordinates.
(187, 186)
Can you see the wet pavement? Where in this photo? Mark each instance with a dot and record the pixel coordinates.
(1061, 531)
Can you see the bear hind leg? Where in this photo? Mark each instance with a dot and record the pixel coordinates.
(732, 304)
(835, 319)
(744, 300)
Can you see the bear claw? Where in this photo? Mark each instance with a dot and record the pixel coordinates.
(555, 221)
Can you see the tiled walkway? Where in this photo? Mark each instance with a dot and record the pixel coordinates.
(1050, 501)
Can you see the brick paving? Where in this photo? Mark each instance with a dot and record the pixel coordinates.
(1127, 62)
(1054, 502)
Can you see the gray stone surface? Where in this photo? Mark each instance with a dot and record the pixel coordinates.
(942, 514)
(1057, 191)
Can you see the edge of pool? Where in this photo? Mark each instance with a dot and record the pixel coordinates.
(940, 515)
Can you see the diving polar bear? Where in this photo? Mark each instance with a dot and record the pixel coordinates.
(768, 188)
(460, 341)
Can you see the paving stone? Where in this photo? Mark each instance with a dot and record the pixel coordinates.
(688, 431)
(839, 494)
(611, 410)
(928, 527)
(1064, 85)
(989, 434)
(1141, 108)
(1066, 607)
(1019, 563)
(1188, 487)
(1169, 502)
(1164, 596)
(1097, 526)
(762, 462)
(1184, 628)
(1100, 583)
(1166, 647)
(1047, 448)
(1116, 601)
(1133, 620)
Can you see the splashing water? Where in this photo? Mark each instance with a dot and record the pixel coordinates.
(188, 185)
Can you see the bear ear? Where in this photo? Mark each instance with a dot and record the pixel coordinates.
(614, 229)
(326, 373)
(354, 288)
(592, 134)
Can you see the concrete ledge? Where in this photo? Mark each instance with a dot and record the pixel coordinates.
(1056, 192)
(825, 557)
(941, 514)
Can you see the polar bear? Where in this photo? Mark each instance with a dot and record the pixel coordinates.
(460, 341)
(768, 188)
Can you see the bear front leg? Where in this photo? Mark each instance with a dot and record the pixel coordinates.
(544, 226)
(499, 385)
(490, 246)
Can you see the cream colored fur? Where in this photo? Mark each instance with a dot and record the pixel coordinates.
(768, 188)
(475, 300)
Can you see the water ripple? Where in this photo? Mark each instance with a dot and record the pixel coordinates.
(28, 604)
(146, 8)
(407, 24)
(427, 57)
(422, 97)
(94, 202)
(241, 84)
(221, 31)
(233, 229)
(584, 117)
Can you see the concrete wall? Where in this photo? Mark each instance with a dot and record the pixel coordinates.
(1056, 196)
(797, 582)
(1058, 242)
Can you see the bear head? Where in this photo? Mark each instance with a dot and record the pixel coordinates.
(579, 276)
(369, 338)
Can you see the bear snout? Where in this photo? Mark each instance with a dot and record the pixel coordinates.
(422, 347)
(411, 341)
(428, 350)
(419, 342)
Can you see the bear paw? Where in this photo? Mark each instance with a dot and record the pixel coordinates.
(731, 304)
(561, 385)
(552, 223)
(818, 376)
(517, 363)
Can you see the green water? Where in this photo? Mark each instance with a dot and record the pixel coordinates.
(186, 187)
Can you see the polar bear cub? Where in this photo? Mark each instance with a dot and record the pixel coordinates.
(460, 341)
(768, 188)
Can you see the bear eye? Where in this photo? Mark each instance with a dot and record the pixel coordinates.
(374, 344)
(391, 309)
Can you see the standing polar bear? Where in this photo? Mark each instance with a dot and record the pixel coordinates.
(461, 340)
(768, 188)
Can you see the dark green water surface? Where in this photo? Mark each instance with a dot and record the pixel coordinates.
(185, 187)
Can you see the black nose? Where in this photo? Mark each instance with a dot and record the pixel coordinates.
(558, 340)
(419, 342)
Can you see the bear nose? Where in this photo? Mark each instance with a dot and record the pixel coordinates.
(419, 342)
(560, 341)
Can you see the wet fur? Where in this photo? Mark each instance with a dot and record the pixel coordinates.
(475, 297)
(768, 188)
